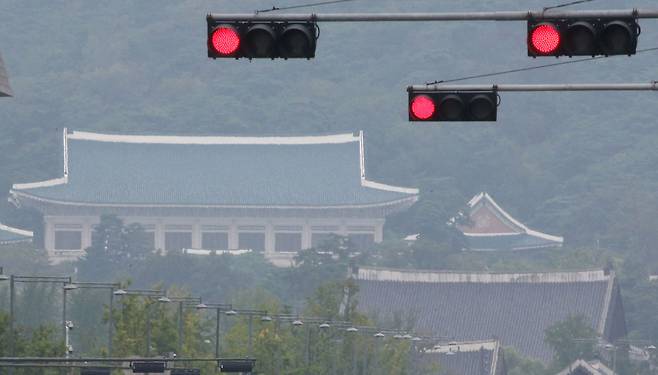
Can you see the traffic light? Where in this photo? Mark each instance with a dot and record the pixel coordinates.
(432, 105)
(263, 39)
(95, 371)
(582, 37)
(148, 366)
(236, 365)
(185, 371)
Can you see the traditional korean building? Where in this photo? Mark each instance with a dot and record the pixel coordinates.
(276, 195)
(5, 89)
(516, 308)
(10, 235)
(490, 228)
(582, 367)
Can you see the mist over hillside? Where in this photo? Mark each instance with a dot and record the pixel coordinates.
(581, 164)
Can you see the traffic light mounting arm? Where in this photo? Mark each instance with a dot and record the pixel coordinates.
(651, 86)
(449, 16)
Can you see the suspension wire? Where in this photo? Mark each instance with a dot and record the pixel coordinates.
(568, 4)
(275, 8)
(530, 68)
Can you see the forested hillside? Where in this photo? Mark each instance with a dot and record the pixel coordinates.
(582, 165)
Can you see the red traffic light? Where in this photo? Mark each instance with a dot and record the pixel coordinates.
(422, 107)
(225, 40)
(545, 38)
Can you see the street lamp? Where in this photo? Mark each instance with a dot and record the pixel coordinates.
(13, 279)
(115, 290)
(219, 308)
(196, 301)
(148, 293)
(251, 313)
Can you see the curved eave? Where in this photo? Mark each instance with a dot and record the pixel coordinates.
(16, 194)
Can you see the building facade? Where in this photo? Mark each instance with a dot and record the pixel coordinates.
(275, 195)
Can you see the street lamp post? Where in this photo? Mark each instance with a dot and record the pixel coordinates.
(13, 279)
(195, 301)
(251, 313)
(113, 288)
(148, 293)
(219, 308)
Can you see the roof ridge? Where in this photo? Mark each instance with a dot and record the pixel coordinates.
(431, 276)
(215, 140)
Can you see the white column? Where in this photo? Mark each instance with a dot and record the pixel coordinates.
(86, 234)
(269, 238)
(233, 243)
(379, 233)
(306, 236)
(159, 236)
(196, 236)
(49, 236)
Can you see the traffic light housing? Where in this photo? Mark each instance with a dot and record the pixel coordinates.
(262, 39)
(95, 371)
(142, 367)
(433, 105)
(582, 37)
(236, 365)
(185, 371)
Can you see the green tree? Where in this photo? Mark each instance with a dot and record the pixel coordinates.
(571, 339)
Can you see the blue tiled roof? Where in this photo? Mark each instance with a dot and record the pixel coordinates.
(320, 174)
(509, 242)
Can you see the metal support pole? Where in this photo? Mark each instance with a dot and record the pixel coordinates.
(219, 314)
(148, 329)
(64, 328)
(250, 335)
(12, 338)
(652, 86)
(180, 327)
(110, 323)
(522, 15)
(307, 353)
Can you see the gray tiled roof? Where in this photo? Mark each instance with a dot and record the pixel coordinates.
(13, 235)
(198, 173)
(459, 362)
(5, 89)
(515, 309)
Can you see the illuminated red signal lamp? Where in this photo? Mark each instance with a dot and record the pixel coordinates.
(544, 39)
(224, 41)
(430, 105)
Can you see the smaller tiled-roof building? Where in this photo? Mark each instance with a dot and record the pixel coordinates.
(516, 308)
(487, 227)
(5, 89)
(465, 358)
(582, 367)
(10, 235)
(276, 195)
